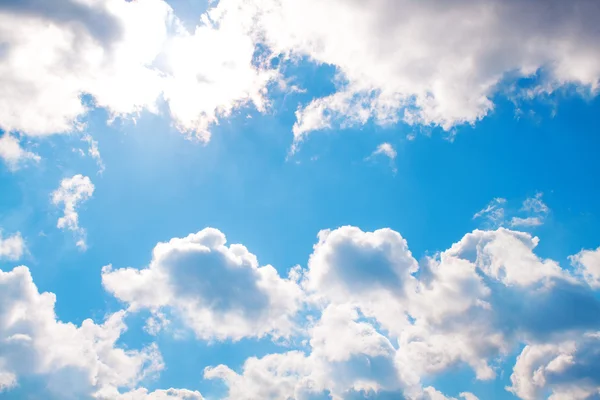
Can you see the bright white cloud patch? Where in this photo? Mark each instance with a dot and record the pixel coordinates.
(568, 369)
(386, 150)
(587, 264)
(71, 192)
(12, 247)
(395, 60)
(52, 56)
(419, 61)
(94, 152)
(218, 291)
(71, 362)
(13, 154)
(493, 212)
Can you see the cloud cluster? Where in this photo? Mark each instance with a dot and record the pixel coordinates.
(430, 62)
(533, 213)
(420, 62)
(71, 192)
(373, 322)
(11, 247)
(52, 57)
(13, 155)
(380, 322)
(70, 362)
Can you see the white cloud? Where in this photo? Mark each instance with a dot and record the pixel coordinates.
(51, 57)
(347, 357)
(337, 272)
(569, 369)
(473, 304)
(386, 150)
(94, 152)
(535, 204)
(144, 394)
(219, 291)
(493, 212)
(13, 154)
(587, 264)
(12, 247)
(395, 60)
(528, 221)
(71, 192)
(534, 212)
(418, 62)
(72, 362)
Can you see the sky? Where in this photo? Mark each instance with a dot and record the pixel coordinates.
(283, 199)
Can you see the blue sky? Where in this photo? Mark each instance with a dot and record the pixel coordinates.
(414, 226)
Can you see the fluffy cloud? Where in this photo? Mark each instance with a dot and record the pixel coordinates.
(13, 154)
(532, 213)
(53, 56)
(419, 62)
(12, 247)
(348, 357)
(386, 321)
(372, 270)
(71, 192)
(386, 150)
(587, 264)
(493, 212)
(395, 60)
(568, 369)
(219, 291)
(94, 152)
(73, 362)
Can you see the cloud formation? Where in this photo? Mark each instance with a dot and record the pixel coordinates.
(54, 56)
(533, 213)
(12, 247)
(72, 362)
(219, 291)
(71, 192)
(13, 154)
(426, 69)
(373, 322)
(420, 63)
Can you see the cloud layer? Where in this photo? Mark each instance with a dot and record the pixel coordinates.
(70, 362)
(376, 321)
(420, 62)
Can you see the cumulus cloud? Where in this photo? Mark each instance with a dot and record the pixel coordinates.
(418, 62)
(12, 247)
(386, 150)
(54, 56)
(386, 322)
(536, 211)
(13, 154)
(533, 213)
(144, 394)
(219, 291)
(587, 264)
(524, 222)
(71, 192)
(73, 362)
(394, 60)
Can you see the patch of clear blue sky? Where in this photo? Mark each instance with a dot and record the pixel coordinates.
(158, 185)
